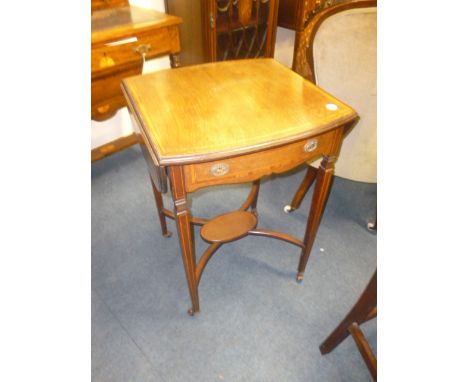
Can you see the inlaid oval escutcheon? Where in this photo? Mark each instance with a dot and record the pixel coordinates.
(310, 145)
(228, 227)
(219, 169)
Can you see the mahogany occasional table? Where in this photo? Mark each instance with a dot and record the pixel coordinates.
(233, 122)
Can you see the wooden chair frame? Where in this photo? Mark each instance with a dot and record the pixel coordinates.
(364, 310)
(303, 65)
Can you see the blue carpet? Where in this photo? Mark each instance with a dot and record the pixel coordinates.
(256, 323)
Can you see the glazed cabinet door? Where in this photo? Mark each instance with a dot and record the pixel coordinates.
(217, 30)
(240, 28)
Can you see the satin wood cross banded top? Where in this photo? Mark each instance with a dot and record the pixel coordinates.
(221, 109)
(232, 122)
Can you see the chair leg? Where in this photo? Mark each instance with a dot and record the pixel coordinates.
(302, 190)
(358, 314)
(364, 349)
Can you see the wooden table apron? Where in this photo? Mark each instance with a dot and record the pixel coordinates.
(191, 175)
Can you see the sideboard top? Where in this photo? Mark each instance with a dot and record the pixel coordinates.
(120, 22)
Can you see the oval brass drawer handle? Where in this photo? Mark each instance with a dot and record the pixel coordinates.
(219, 169)
(310, 145)
(142, 48)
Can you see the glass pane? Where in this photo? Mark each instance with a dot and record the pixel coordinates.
(242, 27)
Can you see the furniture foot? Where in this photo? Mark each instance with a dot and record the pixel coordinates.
(299, 277)
(287, 209)
(372, 225)
(191, 312)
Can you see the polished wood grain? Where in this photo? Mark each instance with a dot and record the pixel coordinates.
(122, 37)
(228, 227)
(114, 24)
(185, 234)
(305, 185)
(259, 104)
(160, 207)
(319, 199)
(113, 147)
(291, 13)
(363, 310)
(106, 95)
(97, 5)
(249, 167)
(364, 348)
(233, 122)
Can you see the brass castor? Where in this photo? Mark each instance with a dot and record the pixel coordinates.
(287, 209)
(371, 226)
(167, 234)
(299, 277)
(191, 312)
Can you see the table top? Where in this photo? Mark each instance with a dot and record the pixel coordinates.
(115, 23)
(217, 110)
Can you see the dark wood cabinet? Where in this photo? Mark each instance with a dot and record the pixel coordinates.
(294, 14)
(218, 30)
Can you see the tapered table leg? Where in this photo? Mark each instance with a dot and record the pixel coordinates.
(160, 206)
(253, 205)
(322, 188)
(174, 60)
(184, 228)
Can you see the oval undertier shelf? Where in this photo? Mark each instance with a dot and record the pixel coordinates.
(228, 227)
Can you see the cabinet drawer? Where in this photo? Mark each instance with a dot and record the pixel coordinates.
(249, 167)
(130, 49)
(106, 94)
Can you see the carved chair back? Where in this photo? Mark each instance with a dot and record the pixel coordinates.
(338, 51)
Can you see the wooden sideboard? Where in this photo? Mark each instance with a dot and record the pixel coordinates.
(122, 38)
(218, 30)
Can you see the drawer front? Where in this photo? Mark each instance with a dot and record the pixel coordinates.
(160, 41)
(106, 94)
(249, 167)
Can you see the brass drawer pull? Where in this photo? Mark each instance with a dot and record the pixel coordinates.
(219, 169)
(310, 145)
(143, 49)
